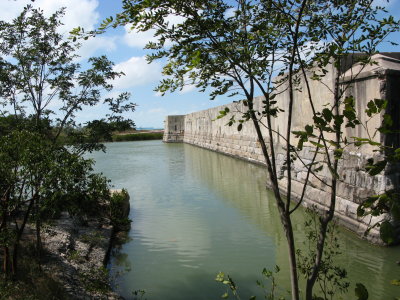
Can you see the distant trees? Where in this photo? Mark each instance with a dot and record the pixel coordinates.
(239, 47)
(41, 90)
(102, 130)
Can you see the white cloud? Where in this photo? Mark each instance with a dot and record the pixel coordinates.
(230, 12)
(137, 72)
(309, 50)
(383, 3)
(90, 46)
(78, 12)
(136, 39)
(81, 13)
(187, 89)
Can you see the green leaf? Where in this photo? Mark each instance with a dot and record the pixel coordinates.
(375, 169)
(196, 58)
(300, 144)
(240, 126)
(360, 211)
(387, 120)
(395, 282)
(267, 273)
(338, 153)
(309, 129)
(333, 143)
(225, 296)
(319, 122)
(363, 141)
(319, 168)
(371, 108)
(361, 292)
(380, 104)
(387, 232)
(300, 133)
(317, 144)
(220, 277)
(327, 114)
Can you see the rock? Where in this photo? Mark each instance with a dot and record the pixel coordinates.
(76, 256)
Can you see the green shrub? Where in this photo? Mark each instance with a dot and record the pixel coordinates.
(138, 136)
(119, 210)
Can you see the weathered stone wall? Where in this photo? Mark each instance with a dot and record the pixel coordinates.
(203, 129)
(174, 129)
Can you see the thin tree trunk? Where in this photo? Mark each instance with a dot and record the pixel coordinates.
(38, 235)
(292, 259)
(14, 265)
(6, 261)
(331, 210)
(285, 216)
(3, 227)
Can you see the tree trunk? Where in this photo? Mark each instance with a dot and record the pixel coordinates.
(38, 239)
(292, 260)
(3, 228)
(15, 254)
(6, 261)
(284, 214)
(331, 210)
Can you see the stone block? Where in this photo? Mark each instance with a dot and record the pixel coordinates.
(345, 190)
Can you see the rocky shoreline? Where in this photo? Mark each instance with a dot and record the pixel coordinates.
(76, 253)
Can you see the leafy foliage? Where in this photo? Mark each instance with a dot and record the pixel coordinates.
(119, 210)
(42, 89)
(269, 291)
(361, 292)
(140, 136)
(332, 279)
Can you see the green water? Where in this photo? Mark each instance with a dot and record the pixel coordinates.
(196, 212)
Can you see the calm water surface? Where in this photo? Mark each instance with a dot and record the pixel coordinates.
(196, 212)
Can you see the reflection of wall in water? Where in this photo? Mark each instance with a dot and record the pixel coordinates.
(240, 183)
(242, 186)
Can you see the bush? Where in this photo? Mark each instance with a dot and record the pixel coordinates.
(119, 210)
(138, 136)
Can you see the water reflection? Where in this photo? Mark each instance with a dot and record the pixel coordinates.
(241, 185)
(197, 212)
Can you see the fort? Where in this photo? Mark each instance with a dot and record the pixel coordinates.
(380, 80)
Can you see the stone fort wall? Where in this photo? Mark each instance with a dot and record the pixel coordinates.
(381, 81)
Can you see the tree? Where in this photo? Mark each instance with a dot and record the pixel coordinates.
(41, 175)
(240, 47)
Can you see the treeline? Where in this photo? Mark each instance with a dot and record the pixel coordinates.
(140, 136)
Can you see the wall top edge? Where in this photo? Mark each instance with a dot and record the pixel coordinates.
(171, 116)
(380, 63)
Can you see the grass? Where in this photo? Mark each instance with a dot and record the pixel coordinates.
(138, 136)
(31, 283)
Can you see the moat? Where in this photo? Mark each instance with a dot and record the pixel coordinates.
(197, 212)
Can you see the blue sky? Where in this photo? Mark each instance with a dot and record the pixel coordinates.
(126, 50)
